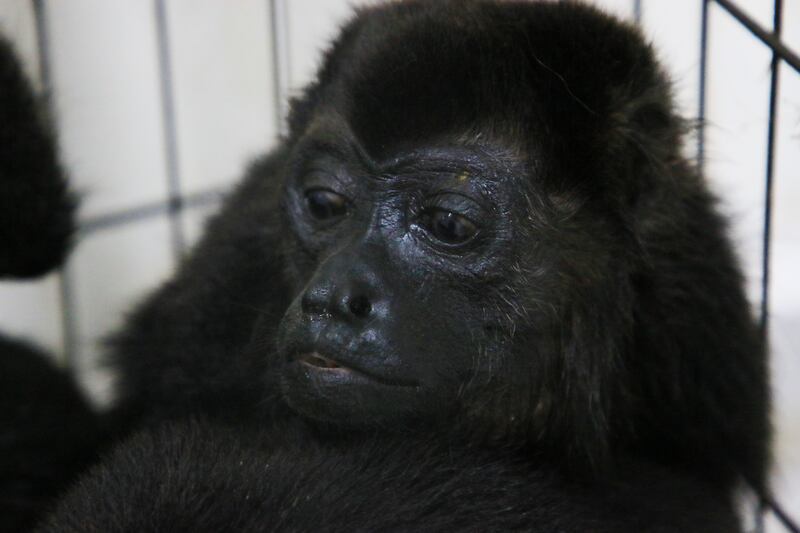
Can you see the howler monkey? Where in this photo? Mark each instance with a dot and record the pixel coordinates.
(480, 243)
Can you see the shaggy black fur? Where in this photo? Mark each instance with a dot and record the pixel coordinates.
(205, 478)
(48, 433)
(585, 360)
(35, 207)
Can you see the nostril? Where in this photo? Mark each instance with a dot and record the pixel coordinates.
(359, 306)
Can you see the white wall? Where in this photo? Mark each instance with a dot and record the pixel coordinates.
(108, 97)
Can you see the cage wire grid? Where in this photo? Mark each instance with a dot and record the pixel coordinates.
(177, 201)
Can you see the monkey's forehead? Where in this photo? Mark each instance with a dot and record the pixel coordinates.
(330, 136)
(408, 72)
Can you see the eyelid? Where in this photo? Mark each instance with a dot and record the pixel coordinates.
(458, 203)
(323, 179)
(337, 192)
(318, 177)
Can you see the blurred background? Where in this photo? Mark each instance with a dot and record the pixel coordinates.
(160, 104)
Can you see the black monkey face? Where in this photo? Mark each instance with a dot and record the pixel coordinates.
(459, 240)
(402, 278)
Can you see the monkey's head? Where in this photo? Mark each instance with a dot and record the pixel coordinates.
(489, 225)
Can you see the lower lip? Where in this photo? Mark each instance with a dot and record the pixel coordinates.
(330, 375)
(338, 376)
(333, 370)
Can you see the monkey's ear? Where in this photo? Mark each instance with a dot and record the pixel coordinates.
(643, 135)
(36, 207)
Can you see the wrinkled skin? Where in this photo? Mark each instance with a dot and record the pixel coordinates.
(396, 264)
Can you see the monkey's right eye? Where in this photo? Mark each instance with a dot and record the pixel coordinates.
(324, 204)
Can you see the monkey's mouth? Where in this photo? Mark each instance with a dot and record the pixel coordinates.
(340, 372)
(316, 360)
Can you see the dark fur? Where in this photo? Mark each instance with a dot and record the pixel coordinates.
(196, 477)
(619, 379)
(48, 432)
(35, 207)
(658, 354)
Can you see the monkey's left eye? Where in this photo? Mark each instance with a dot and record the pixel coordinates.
(448, 227)
(324, 204)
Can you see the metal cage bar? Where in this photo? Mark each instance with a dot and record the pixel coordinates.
(780, 54)
(69, 326)
(701, 88)
(175, 201)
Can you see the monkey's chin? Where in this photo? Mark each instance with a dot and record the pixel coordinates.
(342, 395)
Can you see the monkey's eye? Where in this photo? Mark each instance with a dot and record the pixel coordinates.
(448, 227)
(324, 204)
